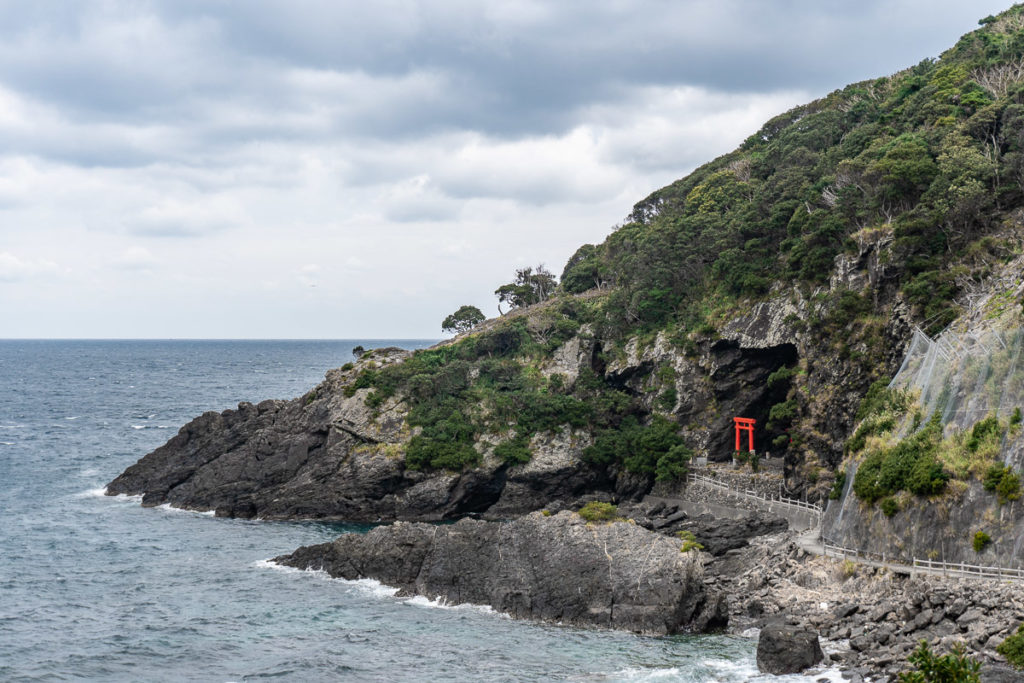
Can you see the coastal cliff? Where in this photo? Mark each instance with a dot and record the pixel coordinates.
(783, 282)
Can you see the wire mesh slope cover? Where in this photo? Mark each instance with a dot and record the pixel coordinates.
(965, 377)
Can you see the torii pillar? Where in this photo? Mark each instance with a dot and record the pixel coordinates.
(745, 424)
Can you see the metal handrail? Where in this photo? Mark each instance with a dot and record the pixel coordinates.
(956, 569)
(750, 493)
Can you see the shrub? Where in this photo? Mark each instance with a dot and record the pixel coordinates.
(667, 399)
(837, 486)
(781, 377)
(1009, 487)
(595, 511)
(992, 476)
(781, 414)
(689, 541)
(911, 465)
(1015, 419)
(514, 451)
(347, 366)
(1013, 648)
(955, 667)
(424, 452)
(889, 506)
(1002, 481)
(652, 449)
(981, 541)
(673, 465)
(986, 430)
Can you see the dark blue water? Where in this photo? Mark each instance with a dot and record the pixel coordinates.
(99, 588)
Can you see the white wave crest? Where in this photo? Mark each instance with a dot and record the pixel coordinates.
(102, 493)
(131, 497)
(643, 674)
(6, 443)
(138, 426)
(441, 603)
(373, 587)
(270, 564)
(93, 493)
(167, 507)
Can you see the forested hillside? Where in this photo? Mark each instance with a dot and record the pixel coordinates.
(831, 232)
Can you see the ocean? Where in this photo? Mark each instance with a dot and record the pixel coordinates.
(99, 588)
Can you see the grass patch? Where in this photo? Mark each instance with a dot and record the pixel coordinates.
(595, 511)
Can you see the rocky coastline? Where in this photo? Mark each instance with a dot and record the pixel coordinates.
(868, 619)
(556, 568)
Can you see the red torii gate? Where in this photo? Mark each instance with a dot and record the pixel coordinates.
(745, 424)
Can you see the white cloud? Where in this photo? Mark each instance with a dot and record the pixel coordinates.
(16, 269)
(134, 258)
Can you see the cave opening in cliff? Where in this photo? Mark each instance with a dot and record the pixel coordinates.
(754, 384)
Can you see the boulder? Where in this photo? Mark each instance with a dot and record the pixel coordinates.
(784, 649)
(553, 568)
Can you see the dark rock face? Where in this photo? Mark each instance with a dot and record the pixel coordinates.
(328, 456)
(717, 535)
(556, 568)
(785, 649)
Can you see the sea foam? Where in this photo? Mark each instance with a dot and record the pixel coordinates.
(167, 507)
(441, 603)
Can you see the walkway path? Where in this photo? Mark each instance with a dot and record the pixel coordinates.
(810, 541)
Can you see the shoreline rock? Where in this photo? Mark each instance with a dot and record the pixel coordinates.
(554, 568)
(783, 649)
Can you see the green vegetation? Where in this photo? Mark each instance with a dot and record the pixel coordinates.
(1002, 481)
(931, 154)
(878, 413)
(923, 462)
(748, 458)
(655, 448)
(689, 541)
(463, 320)
(529, 287)
(1013, 648)
(595, 511)
(980, 541)
(889, 506)
(955, 667)
(837, 486)
(910, 465)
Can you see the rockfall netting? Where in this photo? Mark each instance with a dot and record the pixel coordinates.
(965, 376)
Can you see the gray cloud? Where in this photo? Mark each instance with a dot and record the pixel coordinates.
(185, 153)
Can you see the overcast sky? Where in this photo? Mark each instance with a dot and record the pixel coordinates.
(328, 169)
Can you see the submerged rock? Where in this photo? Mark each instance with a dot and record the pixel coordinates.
(553, 568)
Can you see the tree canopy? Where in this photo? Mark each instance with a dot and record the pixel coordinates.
(531, 286)
(462, 320)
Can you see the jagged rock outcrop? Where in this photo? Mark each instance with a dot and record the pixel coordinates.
(783, 649)
(327, 455)
(552, 568)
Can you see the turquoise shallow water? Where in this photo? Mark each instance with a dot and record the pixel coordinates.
(99, 588)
